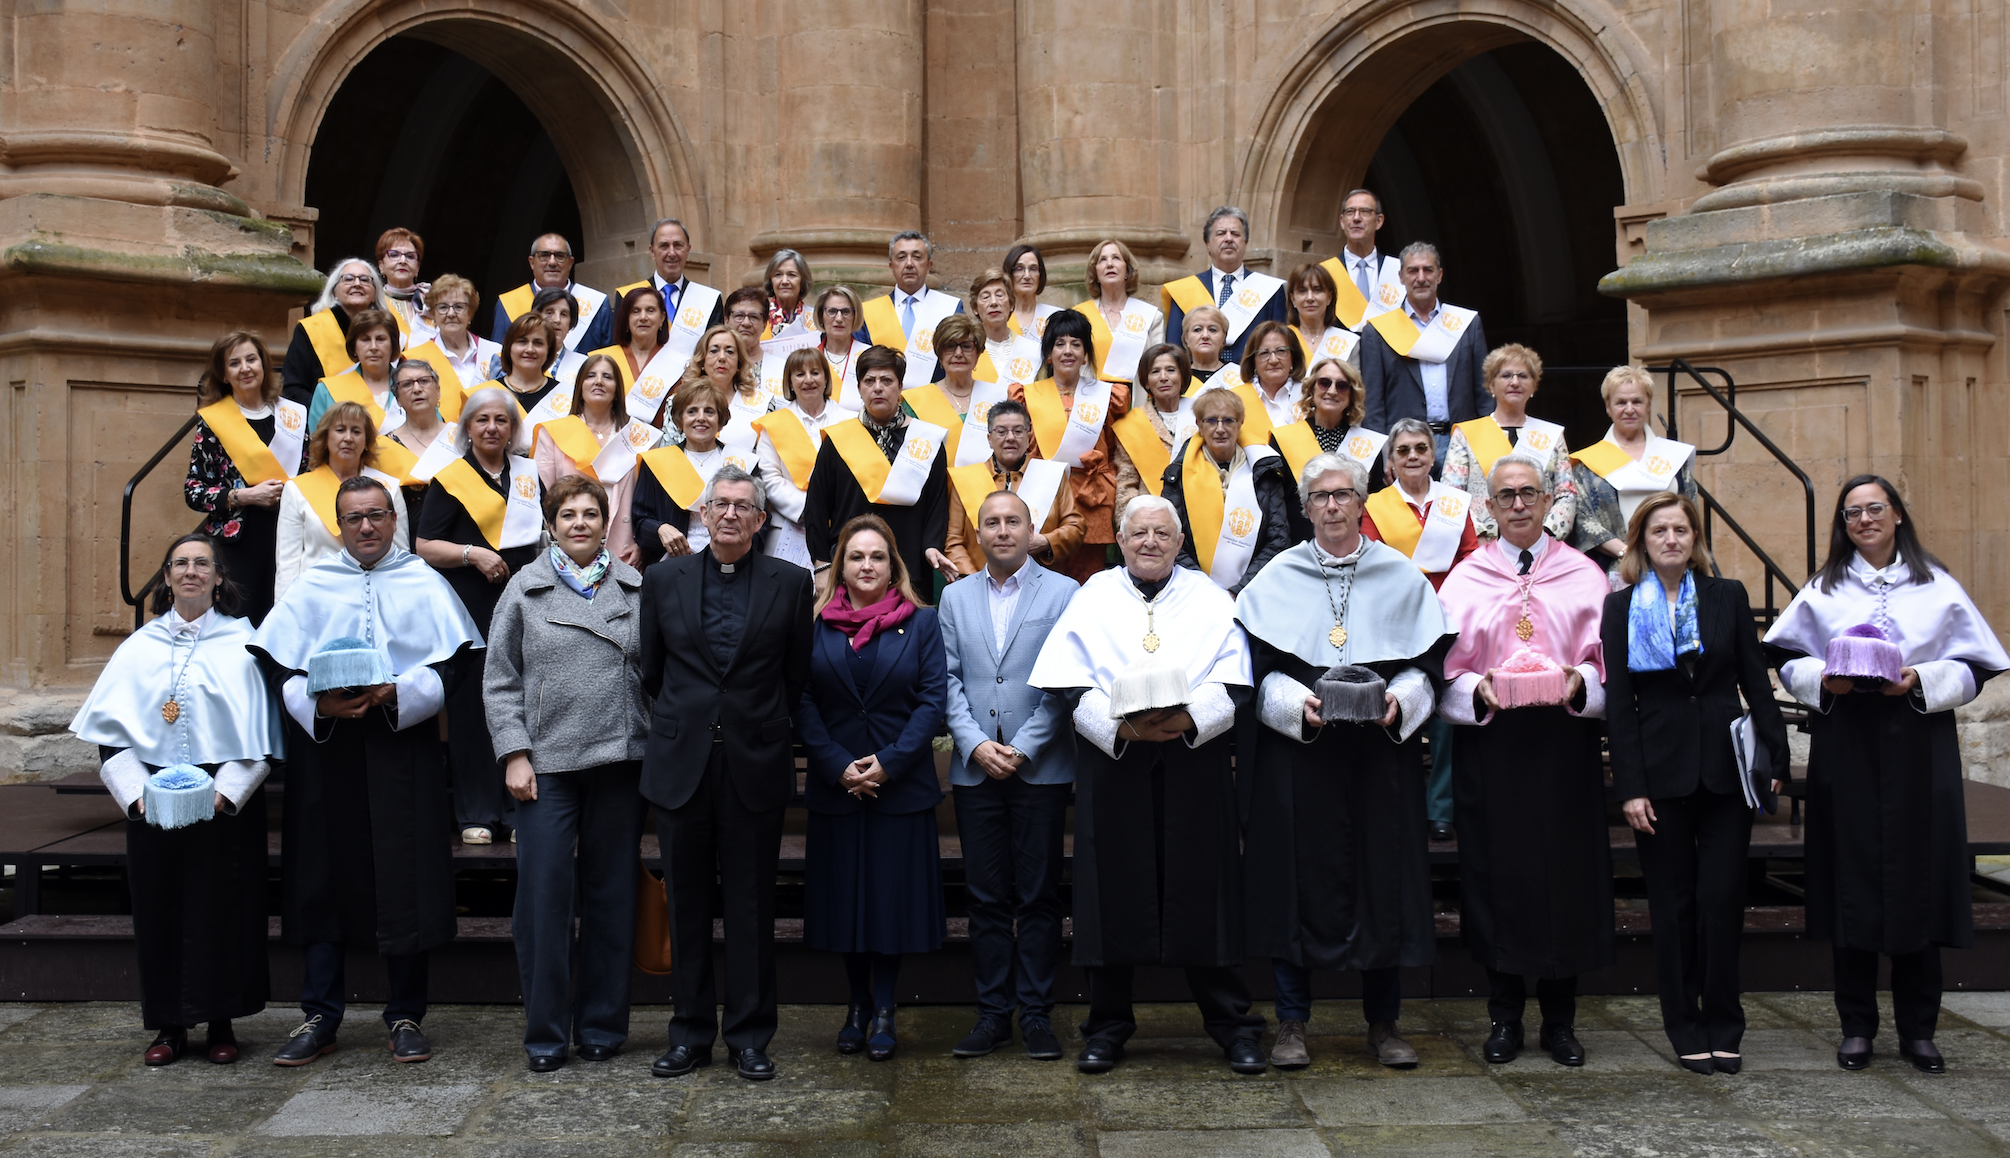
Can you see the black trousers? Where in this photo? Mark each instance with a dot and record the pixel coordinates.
(1219, 990)
(1507, 997)
(323, 986)
(720, 856)
(1012, 833)
(1915, 992)
(1695, 868)
(481, 799)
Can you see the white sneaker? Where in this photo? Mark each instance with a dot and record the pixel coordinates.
(477, 836)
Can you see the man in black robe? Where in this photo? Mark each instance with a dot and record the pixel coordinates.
(1337, 868)
(836, 494)
(1158, 862)
(365, 858)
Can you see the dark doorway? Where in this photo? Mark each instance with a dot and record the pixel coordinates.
(421, 136)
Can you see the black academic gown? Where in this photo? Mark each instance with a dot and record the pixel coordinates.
(834, 498)
(199, 914)
(1158, 858)
(1535, 856)
(1337, 865)
(366, 857)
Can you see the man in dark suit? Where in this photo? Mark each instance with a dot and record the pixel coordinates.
(725, 655)
(1244, 296)
(1440, 392)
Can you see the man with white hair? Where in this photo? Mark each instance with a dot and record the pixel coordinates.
(1535, 861)
(1337, 868)
(1154, 667)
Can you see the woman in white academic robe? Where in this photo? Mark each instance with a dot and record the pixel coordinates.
(183, 690)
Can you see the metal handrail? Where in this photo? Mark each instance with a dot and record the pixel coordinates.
(138, 601)
(1712, 510)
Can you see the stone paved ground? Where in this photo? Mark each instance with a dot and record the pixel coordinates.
(72, 1083)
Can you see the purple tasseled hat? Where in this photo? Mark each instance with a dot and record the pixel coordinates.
(1864, 652)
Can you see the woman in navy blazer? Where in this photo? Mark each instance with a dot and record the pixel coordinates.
(876, 697)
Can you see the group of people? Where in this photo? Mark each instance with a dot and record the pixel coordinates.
(757, 520)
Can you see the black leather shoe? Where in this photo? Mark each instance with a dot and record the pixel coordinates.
(1698, 1065)
(597, 1052)
(1853, 1053)
(1441, 831)
(986, 1036)
(851, 1038)
(308, 1042)
(1924, 1056)
(1245, 1056)
(1563, 1046)
(680, 1060)
(1099, 1056)
(753, 1065)
(879, 1046)
(1041, 1044)
(545, 1063)
(407, 1043)
(1728, 1065)
(1504, 1043)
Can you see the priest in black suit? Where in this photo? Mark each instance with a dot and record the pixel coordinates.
(725, 655)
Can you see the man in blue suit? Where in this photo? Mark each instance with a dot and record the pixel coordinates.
(1013, 775)
(1244, 296)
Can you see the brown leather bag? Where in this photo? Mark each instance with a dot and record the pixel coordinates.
(652, 922)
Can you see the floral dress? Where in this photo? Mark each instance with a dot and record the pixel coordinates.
(247, 538)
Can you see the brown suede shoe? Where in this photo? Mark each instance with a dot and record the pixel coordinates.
(1288, 1052)
(1389, 1047)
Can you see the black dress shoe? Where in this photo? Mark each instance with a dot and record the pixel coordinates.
(680, 1060)
(1698, 1065)
(545, 1063)
(308, 1042)
(1563, 1046)
(597, 1052)
(1099, 1056)
(1504, 1043)
(1041, 1044)
(168, 1047)
(851, 1038)
(880, 1043)
(1245, 1056)
(1728, 1065)
(407, 1043)
(986, 1036)
(1441, 831)
(753, 1065)
(1924, 1056)
(1853, 1053)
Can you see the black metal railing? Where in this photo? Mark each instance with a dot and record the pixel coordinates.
(137, 600)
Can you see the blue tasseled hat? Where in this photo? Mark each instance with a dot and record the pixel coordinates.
(346, 663)
(178, 796)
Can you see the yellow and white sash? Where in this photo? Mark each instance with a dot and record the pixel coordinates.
(969, 437)
(1655, 472)
(899, 482)
(1386, 294)
(1065, 432)
(1432, 344)
(795, 444)
(511, 519)
(1123, 346)
(678, 475)
(694, 309)
(1432, 544)
(609, 464)
(318, 487)
(1040, 482)
(1336, 342)
(329, 342)
(1251, 292)
(1224, 523)
(651, 388)
(1017, 361)
(738, 440)
(254, 459)
(882, 322)
(516, 303)
(1041, 312)
(348, 386)
(438, 455)
(1135, 433)
(775, 353)
(1487, 441)
(844, 372)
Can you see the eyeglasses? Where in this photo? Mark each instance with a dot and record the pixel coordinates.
(191, 565)
(1873, 512)
(1274, 352)
(1411, 449)
(353, 279)
(1330, 498)
(549, 255)
(966, 347)
(1357, 212)
(1219, 420)
(731, 507)
(1525, 497)
(450, 307)
(743, 316)
(401, 255)
(1016, 430)
(355, 519)
(837, 311)
(1332, 384)
(1514, 376)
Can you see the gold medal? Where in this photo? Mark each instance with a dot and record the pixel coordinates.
(1151, 641)
(1523, 629)
(1338, 636)
(171, 711)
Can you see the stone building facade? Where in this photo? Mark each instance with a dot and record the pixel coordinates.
(1808, 196)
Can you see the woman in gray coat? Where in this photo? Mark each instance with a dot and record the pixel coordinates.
(563, 693)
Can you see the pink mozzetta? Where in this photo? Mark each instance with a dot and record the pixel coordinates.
(1482, 599)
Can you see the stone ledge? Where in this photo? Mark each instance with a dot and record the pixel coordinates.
(1879, 247)
(35, 740)
(192, 265)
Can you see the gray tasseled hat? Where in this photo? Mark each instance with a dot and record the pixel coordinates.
(1351, 694)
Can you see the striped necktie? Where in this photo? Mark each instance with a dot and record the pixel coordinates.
(1227, 283)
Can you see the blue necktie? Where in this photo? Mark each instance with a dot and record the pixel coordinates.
(1227, 282)
(907, 316)
(670, 301)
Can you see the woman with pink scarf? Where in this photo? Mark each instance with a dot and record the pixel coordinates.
(876, 697)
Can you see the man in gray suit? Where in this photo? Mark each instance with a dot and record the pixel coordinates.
(1013, 774)
(1443, 392)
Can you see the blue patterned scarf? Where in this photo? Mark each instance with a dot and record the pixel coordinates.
(585, 580)
(1652, 642)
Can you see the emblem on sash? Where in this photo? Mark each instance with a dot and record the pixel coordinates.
(922, 341)
(1088, 413)
(1247, 299)
(1241, 521)
(1658, 466)
(1451, 506)
(291, 418)
(737, 460)
(639, 436)
(1332, 347)
(918, 449)
(561, 403)
(1359, 448)
(525, 488)
(1040, 326)
(1388, 293)
(1538, 439)
(689, 318)
(1450, 322)
(981, 411)
(1135, 323)
(650, 387)
(1020, 369)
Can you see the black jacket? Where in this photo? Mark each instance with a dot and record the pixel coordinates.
(1270, 480)
(1394, 386)
(1670, 732)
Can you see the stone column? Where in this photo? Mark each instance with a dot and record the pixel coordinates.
(850, 137)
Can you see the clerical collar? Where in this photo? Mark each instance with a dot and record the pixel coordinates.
(1149, 588)
(721, 567)
(1328, 559)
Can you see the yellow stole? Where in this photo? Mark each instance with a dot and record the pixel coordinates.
(1487, 441)
(576, 440)
(1204, 494)
(1050, 415)
(477, 497)
(1194, 386)
(1256, 428)
(348, 386)
(620, 357)
(252, 458)
(861, 453)
(792, 442)
(971, 484)
(932, 405)
(1140, 440)
(1603, 457)
(1099, 333)
(1396, 519)
(1188, 291)
(1297, 444)
(318, 487)
(623, 291)
(326, 334)
(433, 355)
(393, 459)
(882, 324)
(679, 478)
(516, 303)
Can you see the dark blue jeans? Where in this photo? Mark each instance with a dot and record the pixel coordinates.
(1438, 790)
(600, 811)
(1012, 834)
(1381, 992)
(322, 977)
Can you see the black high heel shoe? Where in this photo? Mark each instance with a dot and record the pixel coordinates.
(851, 1038)
(1727, 1063)
(880, 1046)
(1703, 1064)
